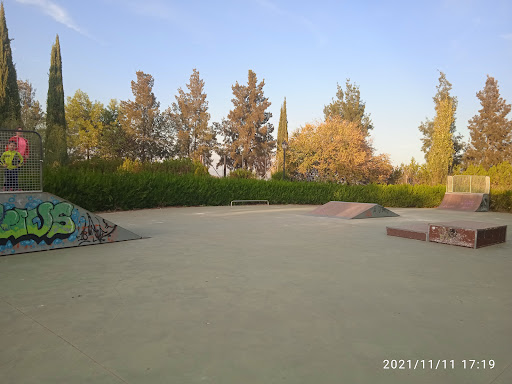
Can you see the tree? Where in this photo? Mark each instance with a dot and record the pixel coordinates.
(251, 142)
(114, 143)
(56, 137)
(336, 150)
(411, 173)
(229, 135)
(85, 126)
(32, 114)
(427, 127)
(490, 131)
(195, 139)
(440, 156)
(10, 107)
(282, 135)
(349, 106)
(143, 122)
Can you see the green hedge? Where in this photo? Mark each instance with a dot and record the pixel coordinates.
(501, 201)
(174, 166)
(99, 191)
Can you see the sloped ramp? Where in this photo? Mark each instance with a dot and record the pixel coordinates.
(38, 221)
(460, 201)
(347, 210)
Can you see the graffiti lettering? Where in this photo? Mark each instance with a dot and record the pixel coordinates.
(45, 223)
(94, 232)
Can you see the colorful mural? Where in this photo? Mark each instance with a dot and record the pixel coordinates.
(40, 221)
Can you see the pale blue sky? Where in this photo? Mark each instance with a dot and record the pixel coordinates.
(391, 49)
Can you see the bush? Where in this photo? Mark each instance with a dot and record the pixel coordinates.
(173, 166)
(241, 174)
(279, 176)
(128, 165)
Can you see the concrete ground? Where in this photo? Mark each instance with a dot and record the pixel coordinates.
(259, 294)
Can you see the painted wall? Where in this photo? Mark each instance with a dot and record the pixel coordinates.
(40, 221)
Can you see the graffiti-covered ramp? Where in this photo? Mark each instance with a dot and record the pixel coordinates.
(38, 221)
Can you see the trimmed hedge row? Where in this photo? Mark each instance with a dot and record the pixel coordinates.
(97, 191)
(501, 201)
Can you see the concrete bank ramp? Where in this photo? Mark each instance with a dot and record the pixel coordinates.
(347, 210)
(461, 201)
(38, 221)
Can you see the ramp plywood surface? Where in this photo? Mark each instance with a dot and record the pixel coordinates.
(349, 210)
(459, 201)
(38, 221)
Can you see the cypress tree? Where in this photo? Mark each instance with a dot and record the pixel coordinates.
(427, 127)
(10, 106)
(56, 142)
(282, 135)
(440, 156)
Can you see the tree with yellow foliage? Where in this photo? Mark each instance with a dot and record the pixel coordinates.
(336, 150)
(85, 126)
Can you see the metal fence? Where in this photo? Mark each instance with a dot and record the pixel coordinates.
(468, 184)
(21, 161)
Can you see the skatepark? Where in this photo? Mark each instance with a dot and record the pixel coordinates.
(259, 294)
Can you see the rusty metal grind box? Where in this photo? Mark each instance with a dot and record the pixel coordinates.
(469, 234)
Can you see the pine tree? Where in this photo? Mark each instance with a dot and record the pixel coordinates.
(251, 144)
(10, 107)
(56, 130)
(142, 121)
(440, 156)
(282, 135)
(349, 106)
(114, 143)
(427, 127)
(490, 131)
(32, 113)
(194, 138)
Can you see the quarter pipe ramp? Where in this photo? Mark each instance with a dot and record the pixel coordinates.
(461, 201)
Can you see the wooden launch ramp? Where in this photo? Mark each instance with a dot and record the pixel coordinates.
(348, 210)
(39, 221)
